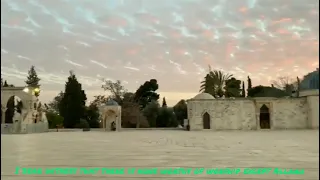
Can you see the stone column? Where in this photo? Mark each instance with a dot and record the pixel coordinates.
(258, 120)
(118, 121)
(3, 115)
(104, 123)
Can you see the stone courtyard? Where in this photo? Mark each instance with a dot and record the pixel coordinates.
(162, 149)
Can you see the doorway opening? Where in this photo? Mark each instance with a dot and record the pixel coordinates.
(206, 121)
(264, 117)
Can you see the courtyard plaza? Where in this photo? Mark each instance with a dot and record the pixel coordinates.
(163, 149)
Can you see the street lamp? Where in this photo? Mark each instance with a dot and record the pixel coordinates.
(26, 90)
(36, 90)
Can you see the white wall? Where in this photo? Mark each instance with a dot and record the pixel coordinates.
(243, 113)
(313, 113)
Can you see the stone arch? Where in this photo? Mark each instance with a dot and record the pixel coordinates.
(206, 120)
(10, 109)
(109, 119)
(13, 105)
(110, 114)
(264, 117)
(26, 97)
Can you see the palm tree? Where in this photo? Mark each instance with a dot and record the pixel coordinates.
(214, 83)
(207, 85)
(220, 79)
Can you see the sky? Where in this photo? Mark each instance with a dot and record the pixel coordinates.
(172, 41)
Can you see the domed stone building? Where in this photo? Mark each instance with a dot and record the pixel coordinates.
(110, 115)
(206, 112)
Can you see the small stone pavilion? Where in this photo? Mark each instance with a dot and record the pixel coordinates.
(110, 113)
(206, 112)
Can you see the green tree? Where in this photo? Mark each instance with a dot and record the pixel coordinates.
(214, 82)
(92, 116)
(72, 105)
(166, 118)
(232, 88)
(5, 84)
(249, 84)
(99, 100)
(208, 85)
(33, 80)
(164, 103)
(54, 119)
(83, 124)
(243, 90)
(220, 79)
(266, 91)
(151, 112)
(181, 111)
(131, 116)
(147, 93)
(53, 106)
(116, 89)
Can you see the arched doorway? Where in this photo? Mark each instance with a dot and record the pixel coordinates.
(264, 117)
(10, 110)
(206, 121)
(110, 120)
(14, 104)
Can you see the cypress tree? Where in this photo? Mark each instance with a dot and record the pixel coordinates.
(164, 103)
(33, 80)
(72, 105)
(249, 84)
(243, 93)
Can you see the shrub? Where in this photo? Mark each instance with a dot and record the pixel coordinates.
(83, 124)
(54, 120)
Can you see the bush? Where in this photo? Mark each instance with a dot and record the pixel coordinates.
(54, 120)
(166, 118)
(83, 124)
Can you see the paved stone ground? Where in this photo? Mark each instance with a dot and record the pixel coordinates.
(162, 149)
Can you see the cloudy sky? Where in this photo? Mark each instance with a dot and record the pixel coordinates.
(172, 41)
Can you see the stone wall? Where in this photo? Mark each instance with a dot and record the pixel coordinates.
(224, 114)
(24, 128)
(313, 112)
(291, 113)
(243, 113)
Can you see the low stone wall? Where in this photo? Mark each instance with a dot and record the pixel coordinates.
(24, 128)
(104, 130)
(65, 130)
(34, 128)
(138, 129)
(76, 130)
(7, 129)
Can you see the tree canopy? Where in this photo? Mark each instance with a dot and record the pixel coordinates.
(72, 105)
(266, 91)
(147, 93)
(33, 80)
(232, 88)
(116, 89)
(164, 102)
(181, 111)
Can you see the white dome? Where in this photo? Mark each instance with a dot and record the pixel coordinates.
(203, 96)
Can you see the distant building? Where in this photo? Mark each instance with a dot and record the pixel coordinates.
(310, 81)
